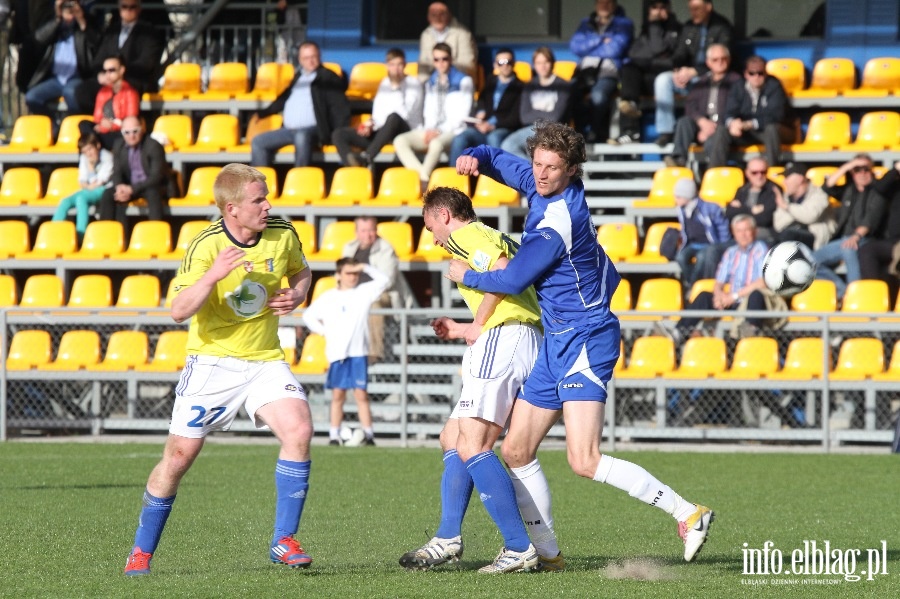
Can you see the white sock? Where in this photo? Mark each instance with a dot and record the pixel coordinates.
(535, 504)
(334, 432)
(370, 432)
(642, 485)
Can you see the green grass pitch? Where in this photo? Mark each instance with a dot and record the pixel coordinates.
(68, 513)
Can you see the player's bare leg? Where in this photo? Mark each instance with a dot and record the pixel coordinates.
(364, 411)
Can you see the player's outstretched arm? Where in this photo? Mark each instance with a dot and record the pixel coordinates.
(189, 301)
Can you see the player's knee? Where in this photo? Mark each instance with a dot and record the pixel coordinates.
(515, 456)
(583, 463)
(448, 439)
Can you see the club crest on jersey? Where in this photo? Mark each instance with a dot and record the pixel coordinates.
(270, 264)
(247, 299)
(481, 261)
(248, 266)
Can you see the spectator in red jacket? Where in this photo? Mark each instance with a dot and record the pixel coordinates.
(115, 101)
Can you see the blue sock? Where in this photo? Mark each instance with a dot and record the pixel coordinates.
(291, 485)
(154, 514)
(499, 498)
(456, 489)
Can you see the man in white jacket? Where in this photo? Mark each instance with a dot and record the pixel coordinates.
(804, 213)
(443, 27)
(448, 101)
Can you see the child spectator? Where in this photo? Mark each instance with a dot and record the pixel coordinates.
(95, 168)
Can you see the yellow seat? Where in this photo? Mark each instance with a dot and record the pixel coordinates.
(699, 286)
(652, 240)
(859, 358)
(703, 357)
(336, 235)
(303, 185)
(90, 291)
(826, 131)
(658, 295)
(306, 232)
(364, 80)
(180, 80)
(489, 194)
(619, 240)
(446, 176)
(227, 80)
(68, 136)
(398, 186)
(411, 69)
(754, 358)
(427, 250)
(818, 174)
(334, 68)
(42, 291)
(272, 78)
(102, 239)
(63, 182)
(217, 133)
(256, 126)
(662, 187)
(866, 295)
(138, 292)
(8, 296)
(399, 235)
(776, 175)
(186, 235)
(349, 185)
(652, 356)
(880, 77)
(31, 133)
(830, 77)
(522, 70)
(170, 354)
(14, 238)
(54, 239)
(803, 360)
(621, 299)
(177, 129)
(312, 356)
(77, 351)
(322, 285)
(821, 296)
(29, 349)
(271, 181)
(877, 131)
(790, 71)
(149, 239)
(200, 188)
(893, 370)
(565, 69)
(720, 184)
(126, 350)
(21, 185)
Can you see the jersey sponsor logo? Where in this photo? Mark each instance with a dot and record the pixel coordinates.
(545, 235)
(572, 385)
(270, 264)
(247, 299)
(481, 261)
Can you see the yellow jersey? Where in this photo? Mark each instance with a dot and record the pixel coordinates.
(236, 321)
(480, 246)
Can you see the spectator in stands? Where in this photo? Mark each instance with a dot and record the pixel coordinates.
(396, 109)
(369, 248)
(876, 256)
(339, 315)
(757, 112)
(444, 28)
(448, 101)
(68, 41)
(756, 197)
(705, 105)
(704, 28)
(291, 25)
(116, 101)
(803, 212)
(139, 171)
(650, 54)
(496, 113)
(601, 43)
(95, 167)
(859, 217)
(139, 44)
(314, 105)
(181, 15)
(704, 234)
(544, 98)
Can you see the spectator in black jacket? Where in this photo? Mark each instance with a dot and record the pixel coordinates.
(305, 126)
(650, 54)
(756, 197)
(704, 108)
(757, 112)
(884, 249)
(496, 113)
(704, 28)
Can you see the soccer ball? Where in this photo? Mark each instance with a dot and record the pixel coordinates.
(789, 268)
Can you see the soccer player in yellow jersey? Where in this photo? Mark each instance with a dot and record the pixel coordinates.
(503, 342)
(229, 286)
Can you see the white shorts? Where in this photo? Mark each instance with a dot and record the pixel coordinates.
(212, 390)
(494, 370)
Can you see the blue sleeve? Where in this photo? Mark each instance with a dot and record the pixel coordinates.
(502, 166)
(585, 39)
(613, 43)
(723, 230)
(538, 253)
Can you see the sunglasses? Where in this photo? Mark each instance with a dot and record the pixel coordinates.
(130, 131)
(503, 62)
(112, 70)
(755, 73)
(441, 59)
(128, 7)
(861, 169)
(756, 172)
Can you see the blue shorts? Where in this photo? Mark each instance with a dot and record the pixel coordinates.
(349, 373)
(574, 365)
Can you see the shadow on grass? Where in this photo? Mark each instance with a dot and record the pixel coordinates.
(93, 487)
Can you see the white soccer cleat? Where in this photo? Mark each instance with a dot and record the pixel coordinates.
(435, 552)
(694, 531)
(513, 561)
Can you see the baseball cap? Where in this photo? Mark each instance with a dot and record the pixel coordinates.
(795, 168)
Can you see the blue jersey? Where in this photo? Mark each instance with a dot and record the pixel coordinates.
(559, 253)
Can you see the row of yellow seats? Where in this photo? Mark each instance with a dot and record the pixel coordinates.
(81, 350)
(833, 77)
(89, 291)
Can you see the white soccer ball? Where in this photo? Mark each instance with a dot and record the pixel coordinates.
(789, 268)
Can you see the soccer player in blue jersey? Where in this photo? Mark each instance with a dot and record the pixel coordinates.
(574, 280)
(229, 285)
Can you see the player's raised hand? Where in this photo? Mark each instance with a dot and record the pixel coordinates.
(467, 165)
(227, 260)
(457, 271)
